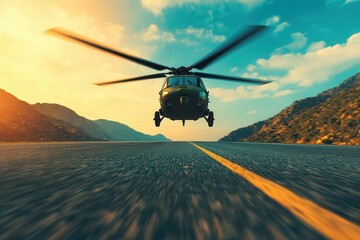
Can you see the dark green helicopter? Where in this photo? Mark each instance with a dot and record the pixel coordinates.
(183, 95)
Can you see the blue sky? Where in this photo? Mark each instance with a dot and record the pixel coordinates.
(310, 47)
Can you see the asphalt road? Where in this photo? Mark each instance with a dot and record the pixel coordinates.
(174, 190)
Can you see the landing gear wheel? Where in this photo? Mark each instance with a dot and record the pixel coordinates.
(211, 119)
(157, 119)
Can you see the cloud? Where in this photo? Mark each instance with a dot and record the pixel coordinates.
(251, 112)
(281, 27)
(274, 21)
(229, 95)
(250, 67)
(251, 3)
(234, 69)
(37, 67)
(189, 42)
(278, 62)
(317, 65)
(320, 65)
(350, 1)
(201, 33)
(283, 93)
(299, 41)
(154, 33)
(316, 46)
(157, 6)
(245, 92)
(343, 2)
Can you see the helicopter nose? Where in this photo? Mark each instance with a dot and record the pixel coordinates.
(184, 100)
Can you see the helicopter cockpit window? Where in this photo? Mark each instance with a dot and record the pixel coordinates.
(184, 81)
(201, 84)
(191, 81)
(174, 81)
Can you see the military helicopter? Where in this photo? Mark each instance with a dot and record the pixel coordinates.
(183, 95)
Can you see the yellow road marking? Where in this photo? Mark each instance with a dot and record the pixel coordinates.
(324, 221)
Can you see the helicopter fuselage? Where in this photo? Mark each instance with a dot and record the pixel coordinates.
(184, 97)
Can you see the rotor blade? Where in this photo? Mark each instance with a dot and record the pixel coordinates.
(222, 50)
(158, 75)
(81, 39)
(230, 78)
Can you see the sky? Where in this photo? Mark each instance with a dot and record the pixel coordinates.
(309, 47)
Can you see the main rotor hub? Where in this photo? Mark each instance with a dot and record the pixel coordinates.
(182, 70)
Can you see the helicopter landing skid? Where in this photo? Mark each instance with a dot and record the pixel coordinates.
(158, 119)
(210, 119)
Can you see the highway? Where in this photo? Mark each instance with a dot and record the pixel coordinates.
(178, 190)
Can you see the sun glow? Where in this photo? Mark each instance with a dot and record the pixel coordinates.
(36, 67)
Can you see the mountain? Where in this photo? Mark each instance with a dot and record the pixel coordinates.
(331, 117)
(65, 114)
(19, 121)
(121, 132)
(101, 129)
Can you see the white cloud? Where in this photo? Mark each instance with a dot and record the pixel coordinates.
(189, 42)
(234, 69)
(251, 112)
(251, 3)
(251, 75)
(316, 46)
(154, 33)
(299, 41)
(283, 93)
(317, 65)
(202, 33)
(344, 2)
(229, 95)
(251, 67)
(167, 37)
(157, 6)
(350, 1)
(245, 92)
(320, 65)
(281, 27)
(279, 61)
(274, 21)
(37, 67)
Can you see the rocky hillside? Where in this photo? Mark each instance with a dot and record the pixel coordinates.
(65, 114)
(332, 117)
(19, 121)
(100, 129)
(120, 132)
